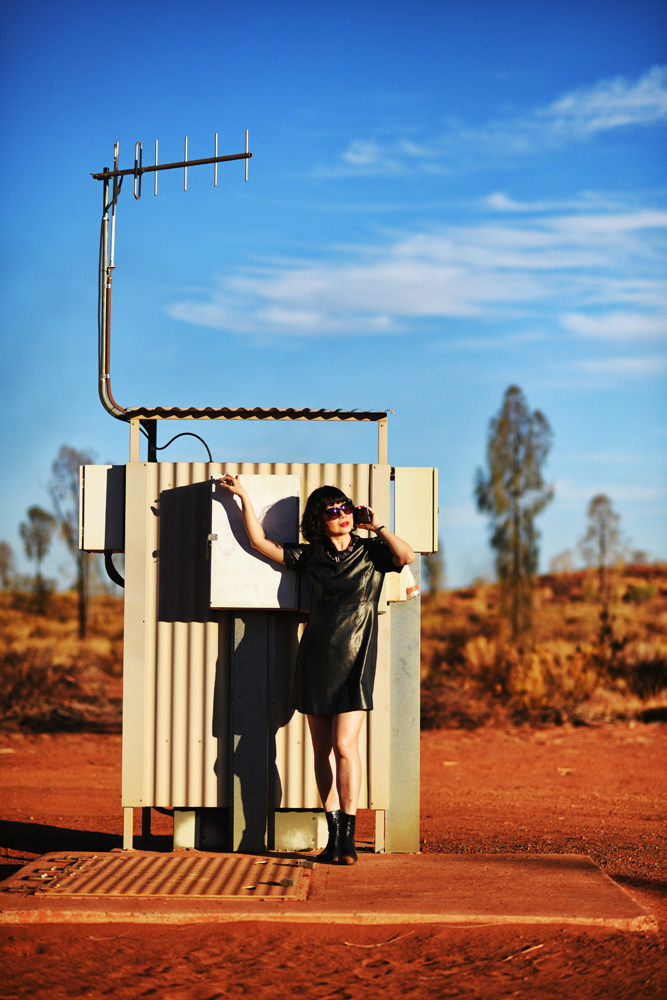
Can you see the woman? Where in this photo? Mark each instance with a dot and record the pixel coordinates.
(335, 667)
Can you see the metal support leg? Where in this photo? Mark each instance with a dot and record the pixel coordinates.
(150, 427)
(128, 828)
(146, 823)
(382, 442)
(402, 820)
(135, 436)
(185, 829)
(379, 831)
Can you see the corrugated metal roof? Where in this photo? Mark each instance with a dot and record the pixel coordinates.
(248, 413)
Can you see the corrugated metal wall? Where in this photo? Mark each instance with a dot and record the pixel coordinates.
(178, 652)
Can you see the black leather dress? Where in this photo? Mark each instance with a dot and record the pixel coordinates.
(335, 668)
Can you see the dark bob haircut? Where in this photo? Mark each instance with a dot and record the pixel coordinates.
(312, 526)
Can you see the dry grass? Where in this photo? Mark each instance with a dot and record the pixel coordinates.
(473, 674)
(49, 678)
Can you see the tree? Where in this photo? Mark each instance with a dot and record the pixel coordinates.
(513, 493)
(37, 533)
(64, 489)
(602, 547)
(562, 563)
(434, 570)
(7, 570)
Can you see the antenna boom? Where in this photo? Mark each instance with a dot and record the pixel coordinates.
(106, 174)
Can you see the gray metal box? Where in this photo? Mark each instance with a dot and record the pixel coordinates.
(102, 508)
(241, 577)
(416, 507)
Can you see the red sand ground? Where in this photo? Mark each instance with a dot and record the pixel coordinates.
(599, 792)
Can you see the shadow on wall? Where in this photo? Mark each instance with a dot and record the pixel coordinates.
(184, 570)
(244, 578)
(254, 673)
(257, 693)
(240, 576)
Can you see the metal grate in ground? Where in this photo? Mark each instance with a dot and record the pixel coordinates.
(142, 874)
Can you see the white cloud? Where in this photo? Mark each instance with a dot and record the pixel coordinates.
(504, 342)
(616, 458)
(573, 117)
(586, 201)
(500, 202)
(616, 325)
(611, 224)
(568, 492)
(461, 516)
(610, 104)
(362, 154)
(367, 156)
(637, 367)
(603, 271)
(301, 320)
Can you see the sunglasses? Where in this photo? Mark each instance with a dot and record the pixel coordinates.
(346, 507)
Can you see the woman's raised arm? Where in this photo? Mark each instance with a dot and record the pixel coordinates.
(402, 553)
(254, 530)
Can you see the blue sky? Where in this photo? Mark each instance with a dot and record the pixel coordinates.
(445, 198)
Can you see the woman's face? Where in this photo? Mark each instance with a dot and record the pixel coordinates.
(338, 518)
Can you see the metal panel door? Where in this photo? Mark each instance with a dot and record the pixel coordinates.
(240, 577)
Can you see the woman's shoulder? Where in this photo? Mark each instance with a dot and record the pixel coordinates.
(372, 544)
(379, 553)
(296, 554)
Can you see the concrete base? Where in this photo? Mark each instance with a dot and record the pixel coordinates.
(467, 890)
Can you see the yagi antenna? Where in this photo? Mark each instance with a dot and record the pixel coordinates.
(146, 417)
(138, 170)
(113, 182)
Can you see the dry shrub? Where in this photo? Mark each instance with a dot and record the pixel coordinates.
(41, 694)
(549, 682)
(32, 688)
(641, 667)
(532, 684)
(552, 679)
(490, 662)
(473, 674)
(49, 678)
(639, 593)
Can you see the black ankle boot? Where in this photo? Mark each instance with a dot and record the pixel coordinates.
(330, 852)
(347, 852)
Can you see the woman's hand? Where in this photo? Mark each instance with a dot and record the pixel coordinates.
(372, 524)
(400, 550)
(256, 537)
(232, 485)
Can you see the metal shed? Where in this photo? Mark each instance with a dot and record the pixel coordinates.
(208, 728)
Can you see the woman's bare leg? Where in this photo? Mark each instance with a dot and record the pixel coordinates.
(345, 738)
(337, 759)
(321, 734)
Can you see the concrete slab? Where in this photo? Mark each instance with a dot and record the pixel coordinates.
(462, 889)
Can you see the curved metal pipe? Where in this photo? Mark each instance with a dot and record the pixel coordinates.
(112, 572)
(106, 262)
(104, 317)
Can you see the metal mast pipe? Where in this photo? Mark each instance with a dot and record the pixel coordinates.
(104, 312)
(107, 247)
